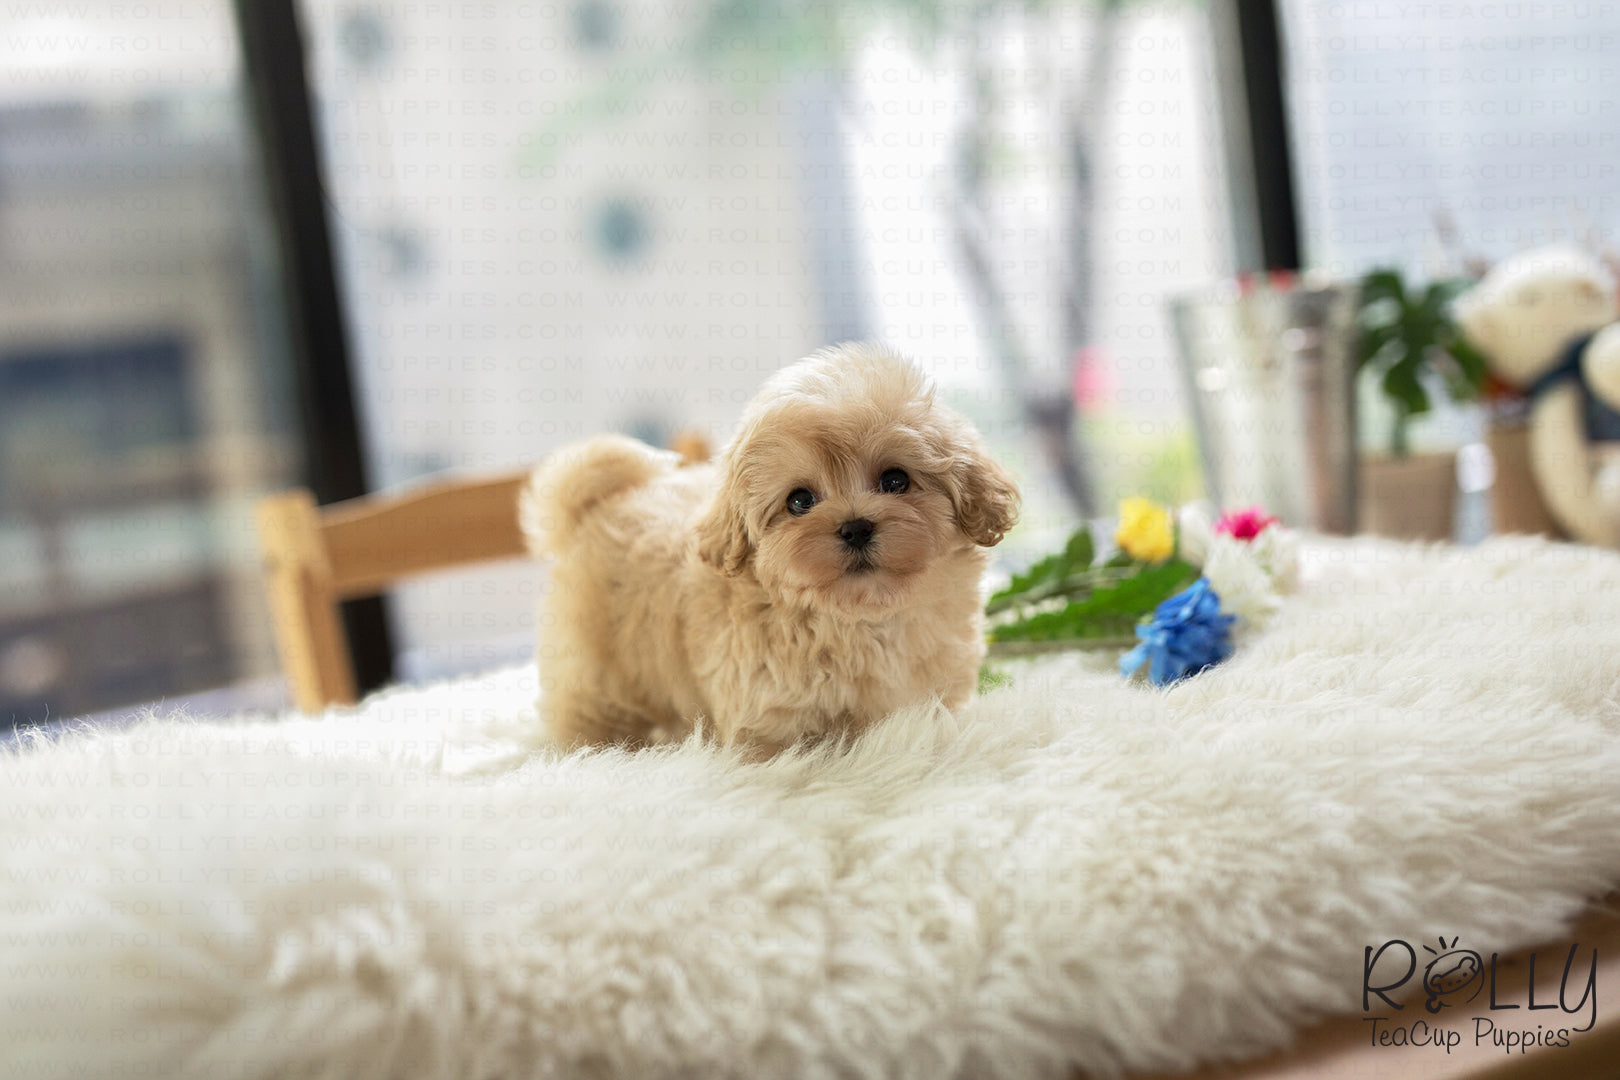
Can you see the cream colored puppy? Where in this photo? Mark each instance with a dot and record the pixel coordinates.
(824, 572)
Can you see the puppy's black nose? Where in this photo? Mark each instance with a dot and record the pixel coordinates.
(857, 533)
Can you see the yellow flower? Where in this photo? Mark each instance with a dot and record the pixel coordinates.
(1146, 531)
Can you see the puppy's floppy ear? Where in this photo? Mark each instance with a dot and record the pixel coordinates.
(722, 534)
(984, 494)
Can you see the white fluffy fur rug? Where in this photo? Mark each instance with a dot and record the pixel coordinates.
(1076, 872)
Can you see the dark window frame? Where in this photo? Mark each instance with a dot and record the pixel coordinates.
(278, 92)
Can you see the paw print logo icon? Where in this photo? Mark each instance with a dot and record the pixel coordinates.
(1454, 977)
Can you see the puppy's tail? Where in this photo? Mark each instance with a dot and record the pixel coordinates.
(572, 482)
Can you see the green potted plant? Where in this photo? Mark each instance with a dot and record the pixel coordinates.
(1411, 348)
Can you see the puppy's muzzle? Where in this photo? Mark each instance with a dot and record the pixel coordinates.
(856, 533)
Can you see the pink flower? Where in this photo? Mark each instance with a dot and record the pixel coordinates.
(1093, 378)
(1245, 524)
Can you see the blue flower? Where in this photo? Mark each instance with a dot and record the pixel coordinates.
(1187, 634)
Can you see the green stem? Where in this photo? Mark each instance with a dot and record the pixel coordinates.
(1399, 444)
(1004, 650)
(1073, 585)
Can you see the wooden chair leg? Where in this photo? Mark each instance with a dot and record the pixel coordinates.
(308, 629)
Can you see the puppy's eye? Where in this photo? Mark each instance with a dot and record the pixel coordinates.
(800, 500)
(894, 481)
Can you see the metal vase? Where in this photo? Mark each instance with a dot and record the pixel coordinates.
(1269, 367)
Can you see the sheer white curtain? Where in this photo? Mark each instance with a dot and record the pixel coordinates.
(1427, 134)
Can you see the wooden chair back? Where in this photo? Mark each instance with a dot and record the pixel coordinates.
(316, 557)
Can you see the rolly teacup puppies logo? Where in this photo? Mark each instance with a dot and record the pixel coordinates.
(1455, 977)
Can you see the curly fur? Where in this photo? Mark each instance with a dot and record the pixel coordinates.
(684, 595)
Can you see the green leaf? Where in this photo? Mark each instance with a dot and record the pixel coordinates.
(1075, 557)
(1375, 340)
(992, 678)
(1469, 359)
(1383, 284)
(1110, 610)
(1119, 560)
(1080, 549)
(1401, 383)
